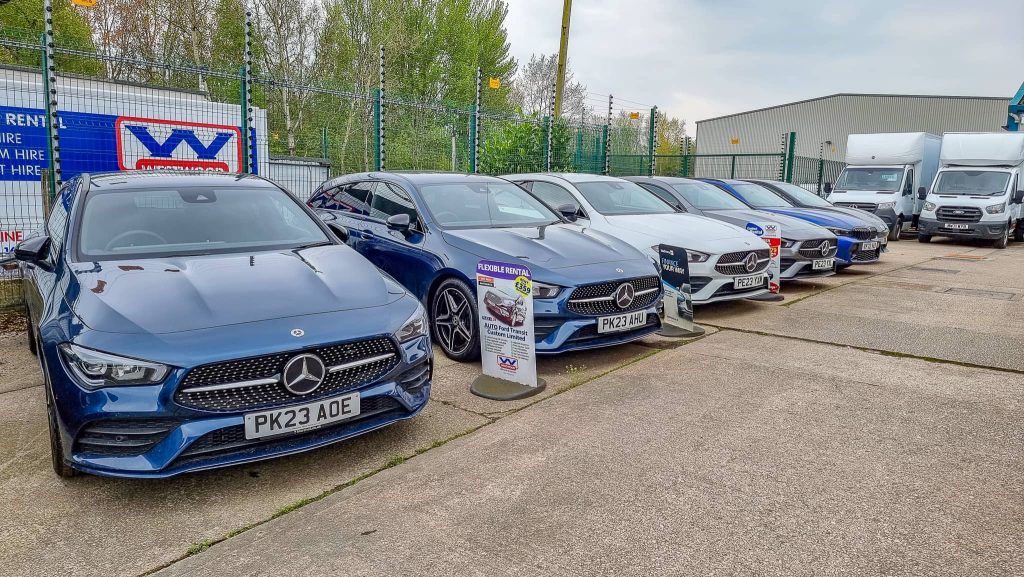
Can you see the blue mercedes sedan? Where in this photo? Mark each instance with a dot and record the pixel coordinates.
(191, 321)
(429, 231)
(861, 241)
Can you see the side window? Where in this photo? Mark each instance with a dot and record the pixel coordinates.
(352, 197)
(57, 224)
(389, 200)
(552, 194)
(908, 186)
(320, 197)
(660, 193)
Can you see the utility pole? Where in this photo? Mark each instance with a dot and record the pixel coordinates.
(563, 50)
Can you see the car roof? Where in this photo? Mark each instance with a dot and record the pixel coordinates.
(134, 178)
(572, 177)
(416, 178)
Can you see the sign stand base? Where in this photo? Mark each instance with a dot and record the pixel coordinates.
(497, 389)
(673, 331)
(768, 298)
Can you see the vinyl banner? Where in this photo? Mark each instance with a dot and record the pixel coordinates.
(675, 278)
(771, 234)
(504, 293)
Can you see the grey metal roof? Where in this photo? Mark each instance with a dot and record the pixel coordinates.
(858, 94)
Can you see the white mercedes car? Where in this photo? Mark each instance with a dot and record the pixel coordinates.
(726, 262)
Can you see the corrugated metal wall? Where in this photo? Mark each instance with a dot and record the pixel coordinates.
(834, 117)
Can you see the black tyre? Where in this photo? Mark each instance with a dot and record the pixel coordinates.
(60, 468)
(924, 238)
(453, 316)
(894, 232)
(32, 347)
(1018, 231)
(1004, 240)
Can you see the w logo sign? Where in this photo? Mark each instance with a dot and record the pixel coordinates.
(508, 363)
(145, 143)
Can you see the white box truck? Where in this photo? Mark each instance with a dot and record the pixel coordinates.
(885, 173)
(978, 191)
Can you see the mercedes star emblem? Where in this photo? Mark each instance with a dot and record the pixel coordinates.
(624, 295)
(298, 332)
(750, 263)
(825, 247)
(303, 374)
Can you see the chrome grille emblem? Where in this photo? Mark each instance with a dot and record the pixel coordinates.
(303, 374)
(624, 295)
(750, 263)
(825, 247)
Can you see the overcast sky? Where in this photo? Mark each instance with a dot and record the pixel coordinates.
(698, 59)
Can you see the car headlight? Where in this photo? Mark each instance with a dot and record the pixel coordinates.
(885, 205)
(838, 231)
(996, 208)
(786, 243)
(98, 369)
(545, 291)
(415, 327)
(694, 256)
(928, 206)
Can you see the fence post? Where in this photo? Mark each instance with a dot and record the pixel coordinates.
(549, 128)
(821, 166)
(324, 149)
(50, 86)
(790, 157)
(651, 136)
(245, 87)
(607, 138)
(378, 114)
(474, 128)
(732, 167)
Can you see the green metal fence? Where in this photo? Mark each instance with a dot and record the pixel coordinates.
(813, 173)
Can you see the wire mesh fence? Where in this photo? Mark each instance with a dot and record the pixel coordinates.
(813, 173)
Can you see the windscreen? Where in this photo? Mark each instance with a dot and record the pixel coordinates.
(484, 205)
(149, 222)
(760, 197)
(708, 196)
(873, 179)
(802, 195)
(612, 197)
(972, 182)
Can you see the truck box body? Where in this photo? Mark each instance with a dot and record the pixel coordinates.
(891, 148)
(982, 149)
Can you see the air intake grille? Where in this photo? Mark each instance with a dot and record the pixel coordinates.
(646, 290)
(958, 214)
(734, 263)
(123, 437)
(866, 206)
(812, 249)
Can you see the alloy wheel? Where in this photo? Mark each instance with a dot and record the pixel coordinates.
(453, 320)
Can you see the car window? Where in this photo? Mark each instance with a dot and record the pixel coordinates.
(352, 197)
(663, 195)
(613, 197)
(389, 200)
(707, 196)
(484, 205)
(552, 194)
(150, 222)
(802, 195)
(760, 197)
(57, 223)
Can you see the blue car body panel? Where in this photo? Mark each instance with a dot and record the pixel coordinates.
(848, 246)
(187, 312)
(560, 254)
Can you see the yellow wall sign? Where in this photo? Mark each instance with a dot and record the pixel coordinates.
(494, 83)
(734, 141)
(634, 116)
(86, 3)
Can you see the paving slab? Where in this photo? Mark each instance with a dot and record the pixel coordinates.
(716, 463)
(18, 368)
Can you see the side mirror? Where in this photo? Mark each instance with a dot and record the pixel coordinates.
(828, 188)
(339, 231)
(569, 211)
(922, 193)
(400, 222)
(1018, 196)
(33, 250)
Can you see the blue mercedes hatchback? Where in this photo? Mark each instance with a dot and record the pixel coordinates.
(861, 240)
(429, 231)
(191, 321)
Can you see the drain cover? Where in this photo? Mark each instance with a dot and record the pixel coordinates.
(995, 295)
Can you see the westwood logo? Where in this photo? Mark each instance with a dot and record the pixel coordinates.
(147, 143)
(508, 363)
(755, 229)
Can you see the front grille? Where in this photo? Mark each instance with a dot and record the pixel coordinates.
(122, 437)
(811, 249)
(865, 255)
(958, 214)
(732, 263)
(866, 206)
(265, 396)
(862, 233)
(579, 301)
(232, 438)
(415, 377)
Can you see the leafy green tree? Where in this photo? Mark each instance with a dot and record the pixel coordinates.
(23, 20)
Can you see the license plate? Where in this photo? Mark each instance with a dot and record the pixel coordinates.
(957, 226)
(823, 264)
(301, 417)
(753, 281)
(619, 323)
(869, 245)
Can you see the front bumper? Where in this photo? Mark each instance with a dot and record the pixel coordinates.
(198, 439)
(709, 286)
(798, 266)
(559, 332)
(986, 230)
(888, 215)
(853, 251)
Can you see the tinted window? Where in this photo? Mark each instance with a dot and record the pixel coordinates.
(760, 197)
(389, 200)
(707, 196)
(352, 197)
(57, 224)
(555, 196)
(132, 223)
(621, 197)
(662, 194)
(484, 204)
(802, 195)
(980, 182)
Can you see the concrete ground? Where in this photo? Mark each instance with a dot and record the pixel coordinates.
(870, 424)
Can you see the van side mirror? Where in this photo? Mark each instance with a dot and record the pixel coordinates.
(922, 193)
(569, 211)
(339, 231)
(828, 188)
(1018, 196)
(33, 250)
(400, 222)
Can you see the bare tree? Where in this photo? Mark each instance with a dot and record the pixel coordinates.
(533, 87)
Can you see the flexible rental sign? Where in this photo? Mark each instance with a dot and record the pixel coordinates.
(505, 303)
